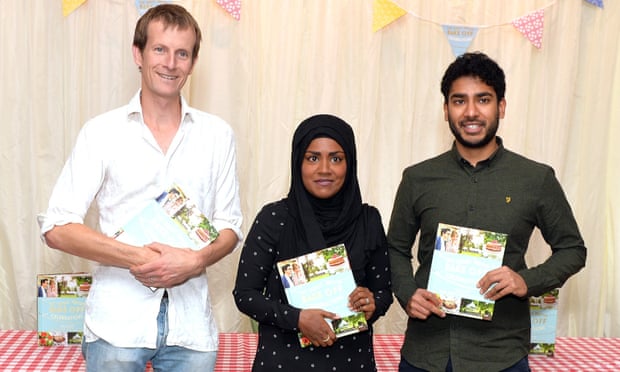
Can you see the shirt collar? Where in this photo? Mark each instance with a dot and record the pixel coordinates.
(485, 163)
(134, 109)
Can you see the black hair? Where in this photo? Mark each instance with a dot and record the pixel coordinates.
(476, 64)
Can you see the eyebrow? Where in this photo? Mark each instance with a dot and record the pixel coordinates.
(481, 94)
(319, 153)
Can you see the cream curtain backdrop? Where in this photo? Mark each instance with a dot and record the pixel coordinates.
(286, 60)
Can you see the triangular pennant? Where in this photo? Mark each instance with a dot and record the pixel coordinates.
(233, 7)
(68, 6)
(144, 5)
(459, 37)
(385, 12)
(598, 3)
(531, 26)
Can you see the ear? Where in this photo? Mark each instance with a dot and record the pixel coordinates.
(502, 108)
(445, 111)
(137, 55)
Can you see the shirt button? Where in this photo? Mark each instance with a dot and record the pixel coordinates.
(471, 208)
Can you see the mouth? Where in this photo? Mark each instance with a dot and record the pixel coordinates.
(323, 182)
(167, 77)
(474, 127)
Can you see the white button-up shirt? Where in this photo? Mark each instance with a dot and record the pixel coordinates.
(117, 164)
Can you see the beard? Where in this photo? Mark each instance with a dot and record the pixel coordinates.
(491, 131)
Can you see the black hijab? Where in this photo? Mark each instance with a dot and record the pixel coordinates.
(320, 223)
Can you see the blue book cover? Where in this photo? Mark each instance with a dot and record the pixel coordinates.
(544, 318)
(60, 308)
(461, 257)
(323, 279)
(172, 219)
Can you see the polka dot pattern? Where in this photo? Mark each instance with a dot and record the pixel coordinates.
(259, 294)
(531, 26)
(233, 7)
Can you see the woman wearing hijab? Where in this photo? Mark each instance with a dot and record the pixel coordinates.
(323, 208)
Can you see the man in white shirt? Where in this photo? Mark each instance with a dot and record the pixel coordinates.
(123, 159)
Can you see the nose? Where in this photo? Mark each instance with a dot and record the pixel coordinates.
(324, 165)
(171, 60)
(471, 110)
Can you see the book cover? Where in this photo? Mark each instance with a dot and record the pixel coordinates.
(461, 257)
(544, 318)
(60, 308)
(172, 219)
(323, 279)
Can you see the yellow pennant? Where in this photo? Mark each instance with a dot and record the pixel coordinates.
(385, 12)
(69, 6)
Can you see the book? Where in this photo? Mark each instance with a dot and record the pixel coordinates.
(461, 257)
(172, 218)
(323, 280)
(60, 308)
(544, 318)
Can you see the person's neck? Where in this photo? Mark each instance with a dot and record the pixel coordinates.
(475, 155)
(162, 116)
(160, 112)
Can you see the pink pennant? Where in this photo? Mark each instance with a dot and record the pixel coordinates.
(233, 7)
(531, 26)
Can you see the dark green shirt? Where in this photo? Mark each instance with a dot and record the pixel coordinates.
(506, 193)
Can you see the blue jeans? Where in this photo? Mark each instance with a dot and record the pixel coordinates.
(521, 366)
(103, 357)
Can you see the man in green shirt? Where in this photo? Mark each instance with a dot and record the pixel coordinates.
(478, 184)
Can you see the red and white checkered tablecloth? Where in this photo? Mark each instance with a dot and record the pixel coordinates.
(19, 352)
(574, 354)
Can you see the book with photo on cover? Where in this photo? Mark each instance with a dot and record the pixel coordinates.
(171, 219)
(544, 318)
(461, 257)
(60, 308)
(323, 280)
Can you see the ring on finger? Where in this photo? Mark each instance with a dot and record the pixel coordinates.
(327, 339)
(367, 301)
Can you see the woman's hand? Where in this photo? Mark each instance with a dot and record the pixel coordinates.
(313, 326)
(362, 300)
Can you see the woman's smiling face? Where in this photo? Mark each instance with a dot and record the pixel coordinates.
(324, 168)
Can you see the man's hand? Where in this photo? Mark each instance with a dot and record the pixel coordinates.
(424, 303)
(173, 266)
(502, 282)
(313, 326)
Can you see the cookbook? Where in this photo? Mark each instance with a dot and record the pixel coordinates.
(173, 219)
(544, 318)
(323, 279)
(462, 256)
(60, 308)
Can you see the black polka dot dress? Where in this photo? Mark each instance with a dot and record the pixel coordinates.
(259, 293)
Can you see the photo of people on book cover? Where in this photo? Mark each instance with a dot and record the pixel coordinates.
(323, 279)
(461, 257)
(184, 211)
(60, 308)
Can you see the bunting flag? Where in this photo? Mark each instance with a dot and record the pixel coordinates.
(598, 3)
(233, 7)
(68, 6)
(385, 12)
(531, 26)
(459, 37)
(144, 5)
